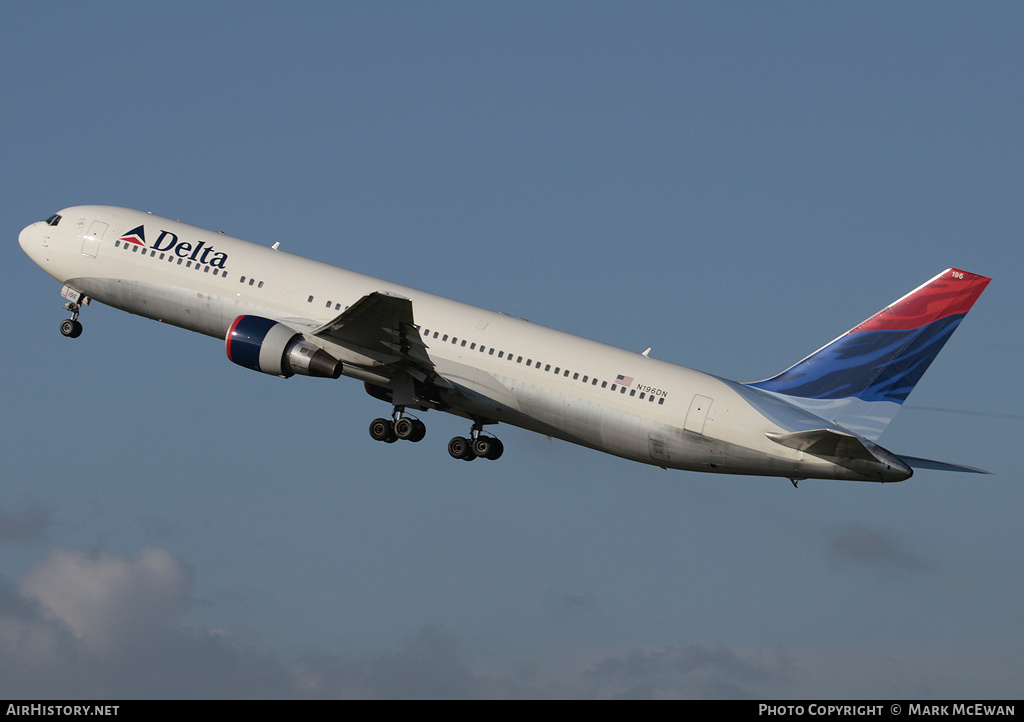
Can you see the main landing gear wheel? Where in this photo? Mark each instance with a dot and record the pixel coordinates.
(477, 446)
(71, 327)
(403, 427)
(461, 448)
(488, 447)
(383, 430)
(410, 429)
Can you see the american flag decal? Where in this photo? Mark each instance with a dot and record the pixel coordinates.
(136, 236)
(624, 380)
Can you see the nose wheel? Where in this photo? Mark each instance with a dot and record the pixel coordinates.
(71, 327)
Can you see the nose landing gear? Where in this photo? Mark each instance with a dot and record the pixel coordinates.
(71, 327)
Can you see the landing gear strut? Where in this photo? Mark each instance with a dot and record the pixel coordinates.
(477, 446)
(398, 427)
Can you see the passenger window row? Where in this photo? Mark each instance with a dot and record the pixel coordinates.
(622, 384)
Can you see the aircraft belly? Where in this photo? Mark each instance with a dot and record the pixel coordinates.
(548, 412)
(585, 422)
(201, 312)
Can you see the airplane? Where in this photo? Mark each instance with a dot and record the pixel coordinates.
(282, 314)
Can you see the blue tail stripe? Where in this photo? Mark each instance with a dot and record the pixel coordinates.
(870, 365)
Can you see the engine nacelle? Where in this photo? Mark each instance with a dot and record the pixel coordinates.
(271, 347)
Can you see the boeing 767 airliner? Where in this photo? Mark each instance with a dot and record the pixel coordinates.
(283, 315)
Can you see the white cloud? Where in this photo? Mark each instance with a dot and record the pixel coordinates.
(26, 633)
(99, 624)
(109, 602)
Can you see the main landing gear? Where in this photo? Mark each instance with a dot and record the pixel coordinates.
(71, 327)
(477, 446)
(399, 426)
(391, 430)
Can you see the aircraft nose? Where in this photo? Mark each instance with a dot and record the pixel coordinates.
(25, 237)
(31, 240)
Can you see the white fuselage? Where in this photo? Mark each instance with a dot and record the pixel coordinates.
(501, 369)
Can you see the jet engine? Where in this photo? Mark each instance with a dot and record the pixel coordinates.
(271, 347)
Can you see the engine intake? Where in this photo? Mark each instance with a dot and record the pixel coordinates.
(271, 347)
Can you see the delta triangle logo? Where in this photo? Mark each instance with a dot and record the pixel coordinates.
(136, 236)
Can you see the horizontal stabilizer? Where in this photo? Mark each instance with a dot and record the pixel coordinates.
(825, 442)
(847, 450)
(919, 463)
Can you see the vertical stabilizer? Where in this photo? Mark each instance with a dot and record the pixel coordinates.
(860, 379)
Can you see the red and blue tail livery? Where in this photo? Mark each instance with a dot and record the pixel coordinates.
(860, 379)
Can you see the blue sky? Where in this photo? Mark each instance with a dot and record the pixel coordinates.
(732, 184)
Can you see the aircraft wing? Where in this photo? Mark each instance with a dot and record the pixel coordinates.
(380, 325)
(378, 322)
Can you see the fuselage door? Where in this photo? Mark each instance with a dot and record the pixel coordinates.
(91, 240)
(697, 414)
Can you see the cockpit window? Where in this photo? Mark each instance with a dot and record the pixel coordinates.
(53, 220)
